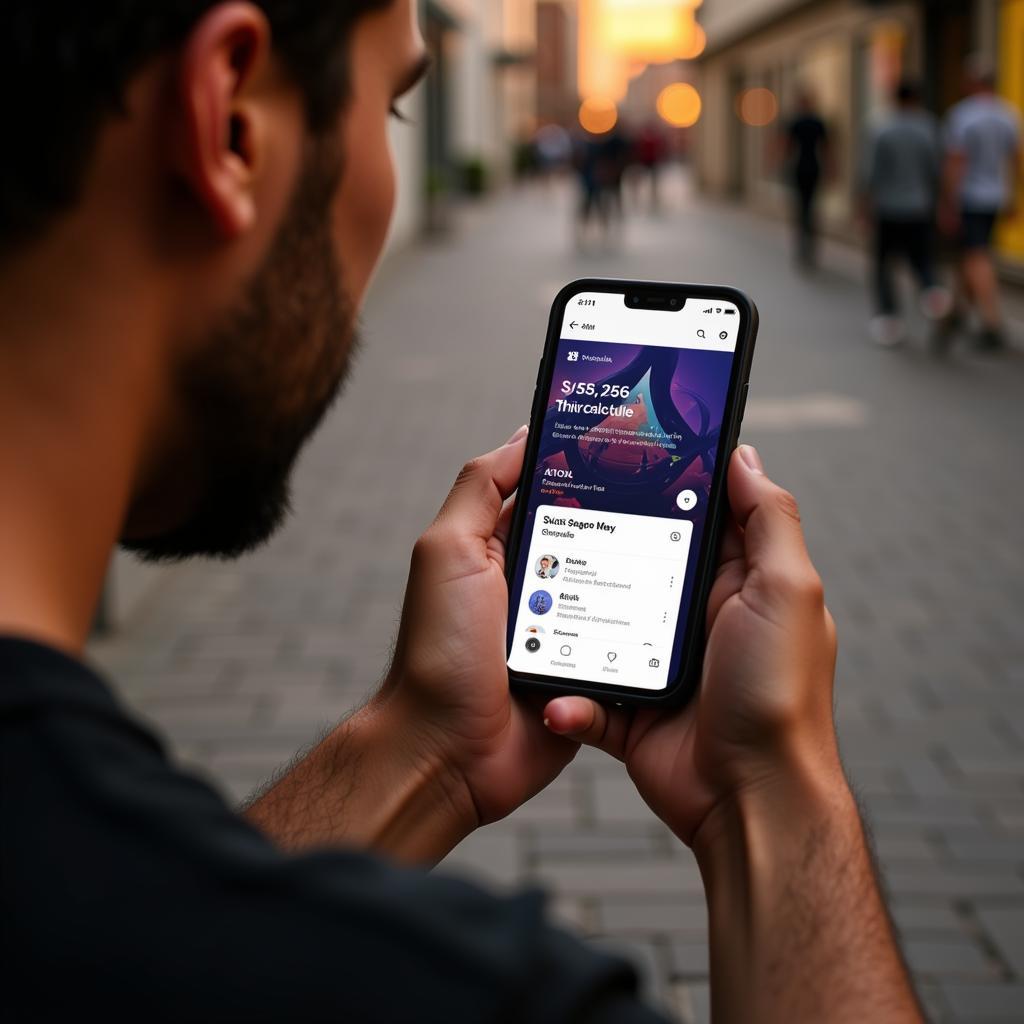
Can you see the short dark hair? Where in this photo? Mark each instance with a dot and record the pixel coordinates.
(64, 69)
(908, 91)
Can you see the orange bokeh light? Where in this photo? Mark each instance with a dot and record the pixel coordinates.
(679, 104)
(694, 47)
(757, 107)
(597, 115)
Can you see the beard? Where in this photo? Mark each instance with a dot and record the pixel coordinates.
(262, 383)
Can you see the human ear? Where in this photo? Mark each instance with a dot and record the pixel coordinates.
(220, 126)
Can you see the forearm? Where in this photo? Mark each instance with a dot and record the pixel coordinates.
(799, 931)
(951, 178)
(365, 785)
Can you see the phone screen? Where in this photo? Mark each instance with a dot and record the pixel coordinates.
(617, 501)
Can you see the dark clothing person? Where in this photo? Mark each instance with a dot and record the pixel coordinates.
(807, 138)
(910, 239)
(902, 170)
(130, 891)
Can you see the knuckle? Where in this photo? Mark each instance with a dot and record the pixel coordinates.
(471, 470)
(787, 505)
(798, 585)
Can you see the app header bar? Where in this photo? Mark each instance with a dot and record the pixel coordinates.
(711, 324)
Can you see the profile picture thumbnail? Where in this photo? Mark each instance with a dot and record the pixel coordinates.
(546, 567)
(540, 602)
(534, 629)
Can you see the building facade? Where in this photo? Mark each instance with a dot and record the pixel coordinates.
(477, 100)
(847, 54)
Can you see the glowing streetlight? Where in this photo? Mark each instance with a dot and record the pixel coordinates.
(679, 104)
(757, 107)
(597, 115)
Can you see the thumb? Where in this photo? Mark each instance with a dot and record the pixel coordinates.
(773, 538)
(475, 500)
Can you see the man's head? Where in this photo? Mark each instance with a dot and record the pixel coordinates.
(979, 74)
(545, 563)
(908, 93)
(221, 172)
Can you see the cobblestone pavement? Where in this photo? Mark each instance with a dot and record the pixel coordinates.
(908, 471)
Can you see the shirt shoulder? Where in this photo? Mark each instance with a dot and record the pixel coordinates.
(159, 901)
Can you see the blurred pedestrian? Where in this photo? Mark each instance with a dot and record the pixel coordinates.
(983, 151)
(600, 161)
(650, 147)
(901, 174)
(808, 159)
(553, 147)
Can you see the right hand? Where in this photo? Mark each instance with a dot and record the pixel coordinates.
(764, 708)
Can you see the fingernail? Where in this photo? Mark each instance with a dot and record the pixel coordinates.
(520, 433)
(748, 453)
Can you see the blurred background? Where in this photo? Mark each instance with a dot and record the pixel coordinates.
(555, 139)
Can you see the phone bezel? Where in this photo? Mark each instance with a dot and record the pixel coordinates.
(682, 686)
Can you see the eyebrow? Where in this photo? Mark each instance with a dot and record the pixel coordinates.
(416, 72)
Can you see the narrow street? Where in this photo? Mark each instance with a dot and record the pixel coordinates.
(908, 474)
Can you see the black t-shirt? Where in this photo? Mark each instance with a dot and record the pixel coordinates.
(807, 135)
(130, 889)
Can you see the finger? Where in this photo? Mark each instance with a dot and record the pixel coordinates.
(773, 538)
(586, 721)
(767, 514)
(475, 500)
(501, 531)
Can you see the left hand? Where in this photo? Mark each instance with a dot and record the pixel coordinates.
(447, 689)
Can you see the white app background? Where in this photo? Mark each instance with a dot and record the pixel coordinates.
(609, 613)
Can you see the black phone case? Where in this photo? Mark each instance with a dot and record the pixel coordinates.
(681, 688)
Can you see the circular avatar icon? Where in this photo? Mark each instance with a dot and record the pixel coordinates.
(546, 567)
(533, 645)
(540, 602)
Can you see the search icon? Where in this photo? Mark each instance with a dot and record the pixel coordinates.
(701, 334)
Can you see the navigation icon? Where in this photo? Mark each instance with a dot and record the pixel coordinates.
(686, 500)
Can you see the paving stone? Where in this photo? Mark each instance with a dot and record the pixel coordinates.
(938, 881)
(684, 915)
(616, 800)
(488, 855)
(694, 1002)
(1004, 926)
(984, 847)
(688, 959)
(948, 957)
(984, 1004)
(927, 917)
(665, 879)
(560, 803)
(600, 844)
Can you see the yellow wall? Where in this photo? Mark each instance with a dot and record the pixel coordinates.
(1010, 239)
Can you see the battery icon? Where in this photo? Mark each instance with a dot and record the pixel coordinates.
(730, 312)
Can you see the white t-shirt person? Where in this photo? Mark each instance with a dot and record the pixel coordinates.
(985, 130)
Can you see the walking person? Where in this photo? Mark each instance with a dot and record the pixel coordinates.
(900, 189)
(982, 167)
(807, 159)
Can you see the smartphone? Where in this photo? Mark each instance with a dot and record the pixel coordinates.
(614, 539)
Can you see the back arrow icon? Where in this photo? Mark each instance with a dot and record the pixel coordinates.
(572, 325)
